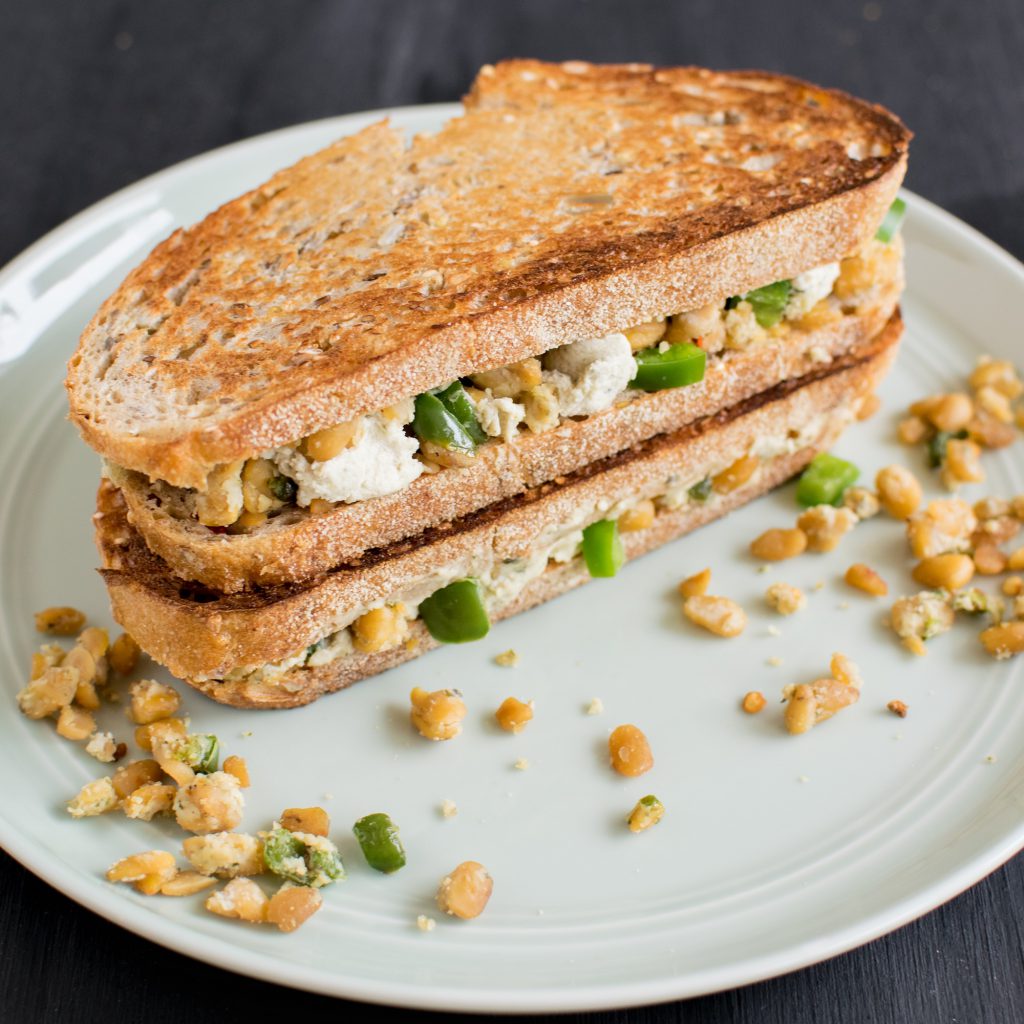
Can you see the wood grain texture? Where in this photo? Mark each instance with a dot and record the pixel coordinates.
(93, 96)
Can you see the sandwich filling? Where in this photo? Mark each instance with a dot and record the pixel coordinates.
(498, 582)
(383, 452)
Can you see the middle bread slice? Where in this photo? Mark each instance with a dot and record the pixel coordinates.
(296, 546)
(251, 648)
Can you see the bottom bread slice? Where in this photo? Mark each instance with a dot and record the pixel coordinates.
(287, 646)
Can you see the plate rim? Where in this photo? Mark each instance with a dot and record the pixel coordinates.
(178, 938)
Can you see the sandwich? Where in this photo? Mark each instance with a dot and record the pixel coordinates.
(404, 389)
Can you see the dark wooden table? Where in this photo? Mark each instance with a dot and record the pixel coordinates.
(97, 93)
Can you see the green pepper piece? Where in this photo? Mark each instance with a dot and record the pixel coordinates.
(937, 446)
(456, 614)
(676, 367)
(315, 863)
(283, 488)
(379, 841)
(200, 752)
(701, 491)
(891, 221)
(769, 302)
(435, 422)
(602, 548)
(825, 480)
(459, 404)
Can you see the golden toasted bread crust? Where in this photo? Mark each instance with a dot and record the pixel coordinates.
(198, 633)
(297, 545)
(570, 200)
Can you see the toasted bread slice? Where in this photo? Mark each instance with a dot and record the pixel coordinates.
(204, 636)
(296, 545)
(569, 201)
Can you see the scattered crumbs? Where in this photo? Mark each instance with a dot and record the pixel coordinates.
(897, 707)
(820, 585)
(522, 764)
(775, 661)
(803, 778)
(990, 759)
(328, 796)
(425, 924)
(448, 809)
(897, 736)
(245, 735)
(540, 913)
(774, 631)
(507, 659)
(595, 707)
(113, 696)
(762, 568)
(843, 605)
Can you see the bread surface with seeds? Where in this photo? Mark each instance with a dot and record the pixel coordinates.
(198, 633)
(568, 201)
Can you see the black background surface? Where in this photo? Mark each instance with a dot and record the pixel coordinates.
(94, 94)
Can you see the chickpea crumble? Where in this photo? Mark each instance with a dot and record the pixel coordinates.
(785, 599)
(809, 704)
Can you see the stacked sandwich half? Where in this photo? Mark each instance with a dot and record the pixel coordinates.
(406, 389)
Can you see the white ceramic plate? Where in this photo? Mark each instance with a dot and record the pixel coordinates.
(775, 851)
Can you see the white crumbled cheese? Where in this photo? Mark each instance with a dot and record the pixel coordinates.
(380, 462)
(225, 854)
(595, 707)
(425, 924)
(507, 580)
(589, 374)
(771, 446)
(499, 417)
(101, 745)
(809, 288)
(564, 550)
(335, 646)
(448, 809)
(94, 798)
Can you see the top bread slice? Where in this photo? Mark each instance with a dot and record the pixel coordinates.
(568, 201)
